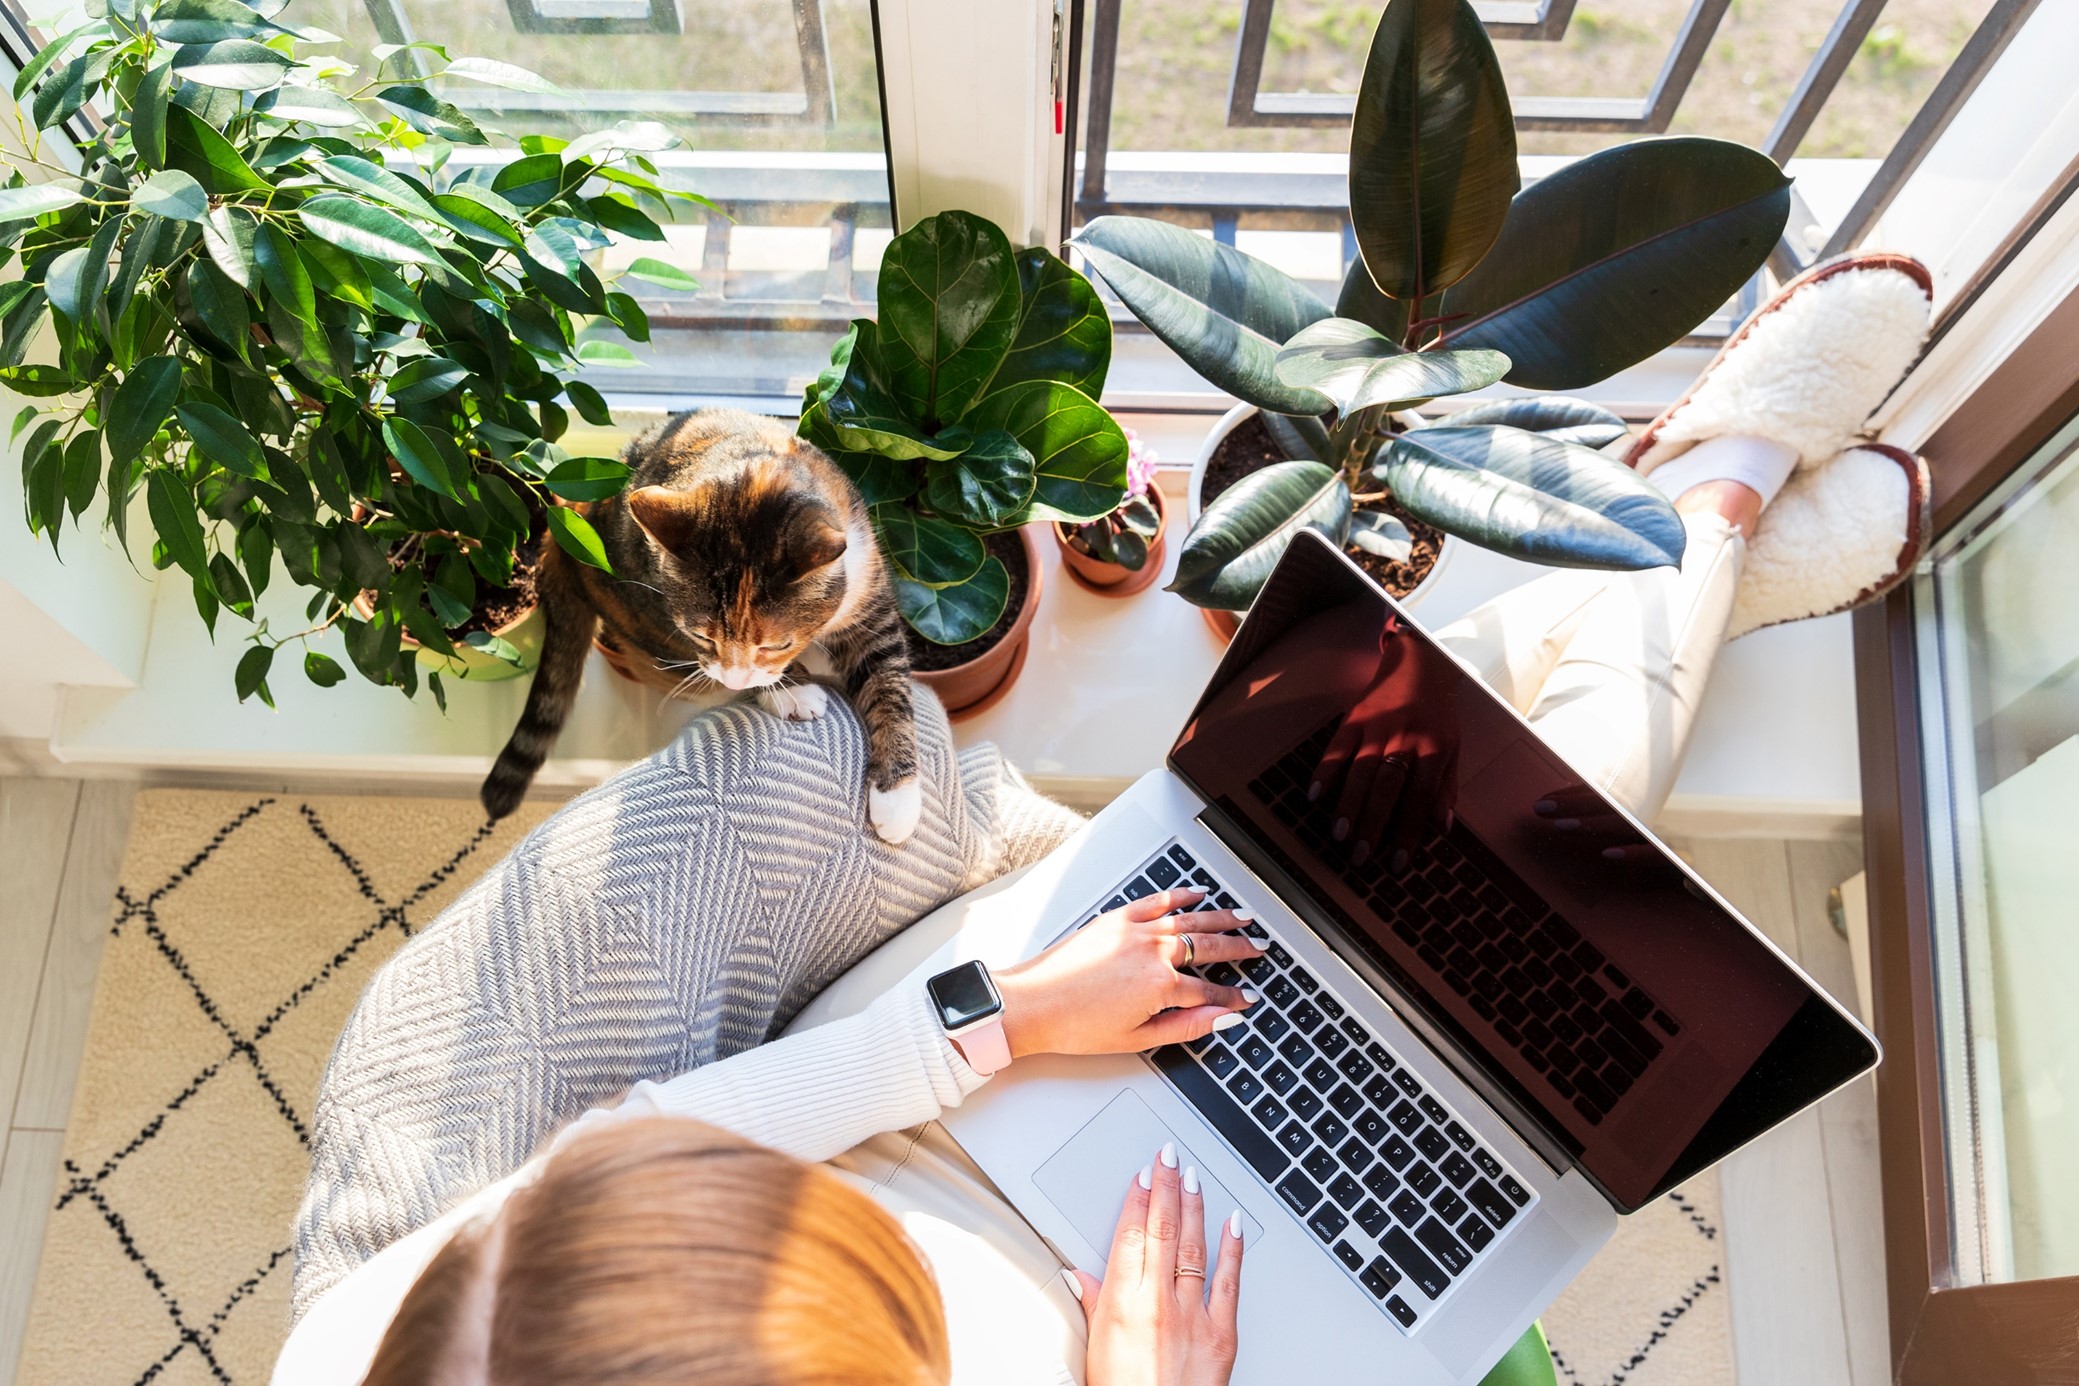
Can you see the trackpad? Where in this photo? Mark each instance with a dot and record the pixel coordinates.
(1086, 1179)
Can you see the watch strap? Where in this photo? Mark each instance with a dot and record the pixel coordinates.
(985, 1046)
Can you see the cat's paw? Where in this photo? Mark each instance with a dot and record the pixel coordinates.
(797, 702)
(894, 812)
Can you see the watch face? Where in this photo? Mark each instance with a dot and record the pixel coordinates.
(963, 995)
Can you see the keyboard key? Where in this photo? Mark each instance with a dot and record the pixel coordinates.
(1423, 1180)
(1518, 1195)
(1378, 1054)
(1380, 1092)
(1330, 1007)
(1281, 991)
(1221, 1060)
(1220, 1112)
(1181, 857)
(1475, 1233)
(1270, 1113)
(1295, 1137)
(1320, 1163)
(1407, 1084)
(1321, 1073)
(1380, 1278)
(1139, 888)
(1489, 1166)
(1407, 1207)
(1163, 872)
(1351, 1256)
(1226, 901)
(1371, 1125)
(1305, 1103)
(1304, 980)
(1354, 1066)
(1328, 1222)
(1405, 1118)
(1433, 1109)
(1397, 1152)
(1457, 1169)
(1355, 1155)
(1431, 1143)
(1346, 1101)
(1205, 878)
(1279, 955)
(1460, 1137)
(1306, 1017)
(1372, 1218)
(1667, 1024)
(1448, 1206)
(1356, 1031)
(1488, 1200)
(1331, 1041)
(1112, 904)
(1426, 1274)
(1398, 1307)
(1296, 1050)
(1449, 1251)
(1222, 974)
(1245, 1086)
(1345, 1191)
(1254, 1050)
(1381, 1181)
(1199, 1045)
(1280, 1080)
(1268, 1023)
(1256, 931)
(1259, 970)
(1330, 1128)
(1298, 1192)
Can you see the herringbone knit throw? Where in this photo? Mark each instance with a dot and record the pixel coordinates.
(681, 912)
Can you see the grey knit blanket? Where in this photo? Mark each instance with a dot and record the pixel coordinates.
(681, 912)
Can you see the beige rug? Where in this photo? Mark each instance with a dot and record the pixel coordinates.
(245, 927)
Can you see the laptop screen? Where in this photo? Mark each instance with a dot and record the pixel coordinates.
(1646, 1027)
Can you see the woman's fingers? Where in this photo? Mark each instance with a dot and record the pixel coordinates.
(1184, 1023)
(1200, 921)
(1130, 1237)
(1212, 948)
(1223, 1302)
(1085, 1287)
(1150, 908)
(1188, 990)
(1191, 1239)
(1159, 1256)
(1336, 759)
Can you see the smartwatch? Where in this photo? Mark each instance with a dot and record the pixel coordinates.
(971, 1010)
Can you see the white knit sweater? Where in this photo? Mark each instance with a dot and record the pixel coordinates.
(863, 1093)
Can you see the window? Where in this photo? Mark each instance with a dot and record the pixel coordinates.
(1999, 661)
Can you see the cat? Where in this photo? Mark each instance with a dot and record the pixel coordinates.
(735, 546)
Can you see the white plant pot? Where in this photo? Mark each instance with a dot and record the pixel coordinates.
(1233, 419)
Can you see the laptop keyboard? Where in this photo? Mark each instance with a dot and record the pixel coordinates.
(1386, 1176)
(1572, 1014)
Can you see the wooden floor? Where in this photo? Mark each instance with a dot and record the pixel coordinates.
(1802, 1221)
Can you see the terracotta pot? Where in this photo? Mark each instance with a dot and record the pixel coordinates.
(1224, 623)
(1113, 579)
(973, 688)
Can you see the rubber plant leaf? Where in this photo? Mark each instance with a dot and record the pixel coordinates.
(1245, 530)
(1617, 255)
(1078, 449)
(1555, 416)
(1225, 312)
(1381, 534)
(1360, 369)
(1432, 148)
(1533, 497)
(948, 314)
(959, 613)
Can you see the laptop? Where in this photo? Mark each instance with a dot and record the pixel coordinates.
(1479, 1044)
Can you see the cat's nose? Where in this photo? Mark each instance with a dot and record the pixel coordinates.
(736, 676)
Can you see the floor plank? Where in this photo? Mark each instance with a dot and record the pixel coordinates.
(65, 993)
(28, 1175)
(35, 827)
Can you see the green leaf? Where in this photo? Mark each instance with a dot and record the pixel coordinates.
(655, 271)
(321, 669)
(148, 114)
(1361, 299)
(287, 280)
(590, 404)
(453, 590)
(366, 230)
(987, 486)
(1617, 255)
(471, 217)
(338, 273)
(228, 236)
(67, 281)
(1063, 332)
(62, 93)
(1246, 529)
(20, 204)
(429, 115)
(140, 406)
(1432, 148)
(223, 439)
(531, 181)
(1078, 450)
(427, 378)
(957, 614)
(416, 453)
(82, 470)
(1359, 369)
(229, 586)
(930, 550)
(193, 145)
(172, 509)
(497, 74)
(617, 214)
(948, 314)
(174, 195)
(47, 55)
(220, 304)
(195, 21)
(38, 381)
(865, 417)
(576, 537)
(234, 64)
(1226, 313)
(1533, 497)
(598, 353)
(1301, 437)
(371, 179)
(587, 478)
(1555, 416)
(251, 677)
(1378, 533)
(318, 106)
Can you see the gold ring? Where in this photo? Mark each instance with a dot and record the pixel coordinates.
(1182, 1271)
(1190, 950)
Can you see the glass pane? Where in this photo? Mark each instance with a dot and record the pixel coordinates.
(777, 104)
(2000, 676)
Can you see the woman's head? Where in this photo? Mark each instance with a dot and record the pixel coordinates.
(665, 1250)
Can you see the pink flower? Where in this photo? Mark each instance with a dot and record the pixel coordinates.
(1141, 462)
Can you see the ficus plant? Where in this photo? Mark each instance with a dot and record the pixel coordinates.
(1463, 279)
(279, 305)
(968, 407)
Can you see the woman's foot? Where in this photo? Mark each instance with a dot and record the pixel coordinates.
(1739, 505)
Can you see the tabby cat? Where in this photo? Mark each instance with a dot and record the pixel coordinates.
(734, 547)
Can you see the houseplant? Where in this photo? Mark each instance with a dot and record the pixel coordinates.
(1461, 281)
(964, 413)
(1119, 554)
(272, 312)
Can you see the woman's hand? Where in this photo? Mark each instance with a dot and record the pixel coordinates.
(1113, 986)
(1156, 1319)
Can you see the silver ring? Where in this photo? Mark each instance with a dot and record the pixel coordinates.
(1190, 950)
(1182, 1271)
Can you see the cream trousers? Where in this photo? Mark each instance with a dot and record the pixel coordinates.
(1610, 667)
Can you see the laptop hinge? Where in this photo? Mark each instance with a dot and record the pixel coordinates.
(1409, 1007)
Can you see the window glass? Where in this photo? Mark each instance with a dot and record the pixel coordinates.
(1999, 657)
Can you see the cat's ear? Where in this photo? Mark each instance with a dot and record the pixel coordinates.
(667, 514)
(817, 545)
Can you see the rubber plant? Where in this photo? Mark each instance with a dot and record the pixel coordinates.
(276, 307)
(966, 408)
(1463, 278)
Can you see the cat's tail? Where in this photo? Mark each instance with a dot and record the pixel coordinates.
(571, 623)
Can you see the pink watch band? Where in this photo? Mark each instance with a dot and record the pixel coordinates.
(985, 1047)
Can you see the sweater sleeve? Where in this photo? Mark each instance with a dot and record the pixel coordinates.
(820, 1092)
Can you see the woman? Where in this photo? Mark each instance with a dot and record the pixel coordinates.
(687, 1232)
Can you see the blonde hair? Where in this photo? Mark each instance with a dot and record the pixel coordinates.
(665, 1250)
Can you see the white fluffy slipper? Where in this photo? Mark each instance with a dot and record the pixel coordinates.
(1806, 370)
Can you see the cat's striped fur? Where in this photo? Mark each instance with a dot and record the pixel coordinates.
(735, 547)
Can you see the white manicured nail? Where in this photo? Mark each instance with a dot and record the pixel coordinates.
(1246, 916)
(1234, 1224)
(1075, 1286)
(1191, 1179)
(1228, 1021)
(1250, 996)
(1146, 1176)
(1168, 1154)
